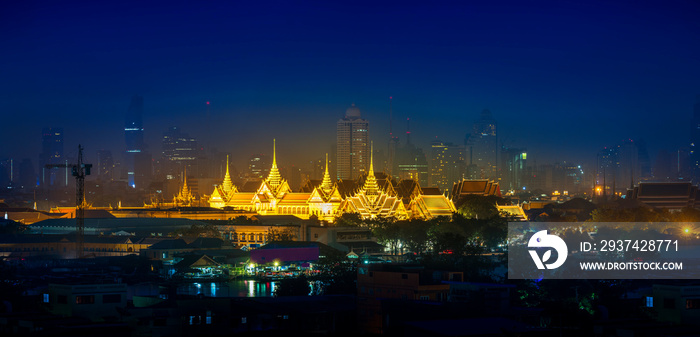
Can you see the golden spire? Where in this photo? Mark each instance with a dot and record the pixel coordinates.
(371, 187)
(227, 185)
(326, 185)
(185, 191)
(274, 178)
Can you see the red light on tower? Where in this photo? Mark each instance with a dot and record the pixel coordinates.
(207, 102)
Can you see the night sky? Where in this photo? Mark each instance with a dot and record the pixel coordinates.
(563, 78)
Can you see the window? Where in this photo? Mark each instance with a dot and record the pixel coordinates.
(85, 299)
(315, 235)
(692, 303)
(669, 303)
(424, 298)
(111, 298)
(46, 298)
(404, 276)
(650, 302)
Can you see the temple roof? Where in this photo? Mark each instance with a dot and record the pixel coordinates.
(478, 186)
(431, 191)
(241, 196)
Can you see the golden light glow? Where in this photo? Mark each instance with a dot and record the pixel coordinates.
(373, 199)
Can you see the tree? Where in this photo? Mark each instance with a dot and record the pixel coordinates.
(414, 234)
(242, 219)
(12, 227)
(388, 232)
(350, 219)
(205, 230)
(479, 206)
(277, 234)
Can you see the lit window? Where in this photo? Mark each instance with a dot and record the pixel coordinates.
(650, 302)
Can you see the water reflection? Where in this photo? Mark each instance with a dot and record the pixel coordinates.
(237, 288)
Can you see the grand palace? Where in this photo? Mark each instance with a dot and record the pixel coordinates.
(372, 195)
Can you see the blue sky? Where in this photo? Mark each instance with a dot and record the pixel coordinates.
(563, 78)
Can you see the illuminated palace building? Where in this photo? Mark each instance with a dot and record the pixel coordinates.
(370, 196)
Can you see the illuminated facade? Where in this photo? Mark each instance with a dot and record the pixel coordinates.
(133, 135)
(185, 197)
(448, 164)
(326, 201)
(353, 145)
(371, 201)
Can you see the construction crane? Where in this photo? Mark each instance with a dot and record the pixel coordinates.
(79, 171)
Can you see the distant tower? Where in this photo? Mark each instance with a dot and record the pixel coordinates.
(179, 151)
(695, 142)
(105, 165)
(133, 134)
(259, 166)
(447, 165)
(411, 161)
(52, 153)
(482, 146)
(353, 145)
(392, 163)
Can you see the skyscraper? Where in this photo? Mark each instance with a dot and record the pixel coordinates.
(482, 146)
(392, 167)
(353, 144)
(412, 163)
(607, 168)
(52, 153)
(695, 142)
(133, 135)
(105, 165)
(447, 164)
(513, 166)
(259, 166)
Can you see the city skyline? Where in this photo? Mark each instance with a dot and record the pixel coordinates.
(563, 81)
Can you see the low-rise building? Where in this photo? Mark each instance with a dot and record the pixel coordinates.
(95, 301)
(376, 282)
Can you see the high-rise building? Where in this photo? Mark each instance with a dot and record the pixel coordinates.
(413, 164)
(447, 164)
(179, 152)
(7, 172)
(51, 154)
(694, 153)
(105, 165)
(620, 168)
(392, 167)
(482, 146)
(259, 166)
(353, 145)
(630, 170)
(607, 168)
(27, 174)
(133, 135)
(513, 166)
